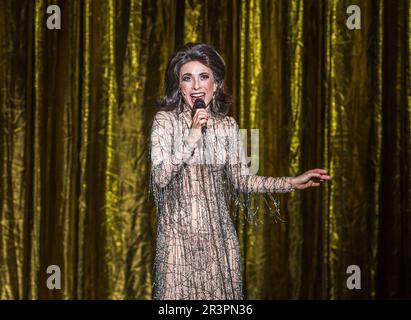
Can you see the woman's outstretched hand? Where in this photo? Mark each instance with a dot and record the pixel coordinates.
(310, 178)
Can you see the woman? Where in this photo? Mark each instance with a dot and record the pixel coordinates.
(196, 173)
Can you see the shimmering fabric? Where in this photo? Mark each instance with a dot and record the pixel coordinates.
(197, 250)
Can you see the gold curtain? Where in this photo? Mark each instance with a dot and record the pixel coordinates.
(77, 105)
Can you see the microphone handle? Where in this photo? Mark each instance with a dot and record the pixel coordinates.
(204, 126)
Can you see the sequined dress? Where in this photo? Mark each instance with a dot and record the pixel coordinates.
(194, 186)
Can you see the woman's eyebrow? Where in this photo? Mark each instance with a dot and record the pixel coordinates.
(189, 74)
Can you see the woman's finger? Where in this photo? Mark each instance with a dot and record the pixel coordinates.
(318, 170)
(200, 117)
(196, 118)
(201, 112)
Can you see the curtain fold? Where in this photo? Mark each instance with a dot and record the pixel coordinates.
(76, 106)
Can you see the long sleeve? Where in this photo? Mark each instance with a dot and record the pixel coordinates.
(239, 173)
(169, 151)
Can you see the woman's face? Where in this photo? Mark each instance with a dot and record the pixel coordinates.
(196, 82)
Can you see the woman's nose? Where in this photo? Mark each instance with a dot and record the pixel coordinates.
(195, 84)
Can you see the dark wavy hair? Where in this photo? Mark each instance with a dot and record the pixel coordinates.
(208, 56)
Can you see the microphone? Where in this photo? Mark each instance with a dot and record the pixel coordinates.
(199, 104)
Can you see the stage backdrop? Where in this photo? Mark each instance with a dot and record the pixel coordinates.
(77, 105)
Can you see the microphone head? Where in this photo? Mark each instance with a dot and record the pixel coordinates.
(199, 104)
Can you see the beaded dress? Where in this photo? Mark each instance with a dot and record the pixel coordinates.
(195, 187)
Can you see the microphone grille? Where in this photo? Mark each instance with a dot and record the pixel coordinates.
(199, 103)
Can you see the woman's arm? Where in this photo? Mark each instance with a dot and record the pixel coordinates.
(167, 158)
(239, 174)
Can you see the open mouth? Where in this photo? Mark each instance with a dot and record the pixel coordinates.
(195, 96)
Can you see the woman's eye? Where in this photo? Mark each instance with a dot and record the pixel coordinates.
(204, 77)
(185, 79)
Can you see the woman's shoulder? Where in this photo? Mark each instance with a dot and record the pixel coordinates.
(172, 115)
(229, 121)
(164, 115)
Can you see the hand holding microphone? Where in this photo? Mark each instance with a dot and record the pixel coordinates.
(200, 119)
(198, 105)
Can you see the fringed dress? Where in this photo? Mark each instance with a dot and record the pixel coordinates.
(194, 187)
